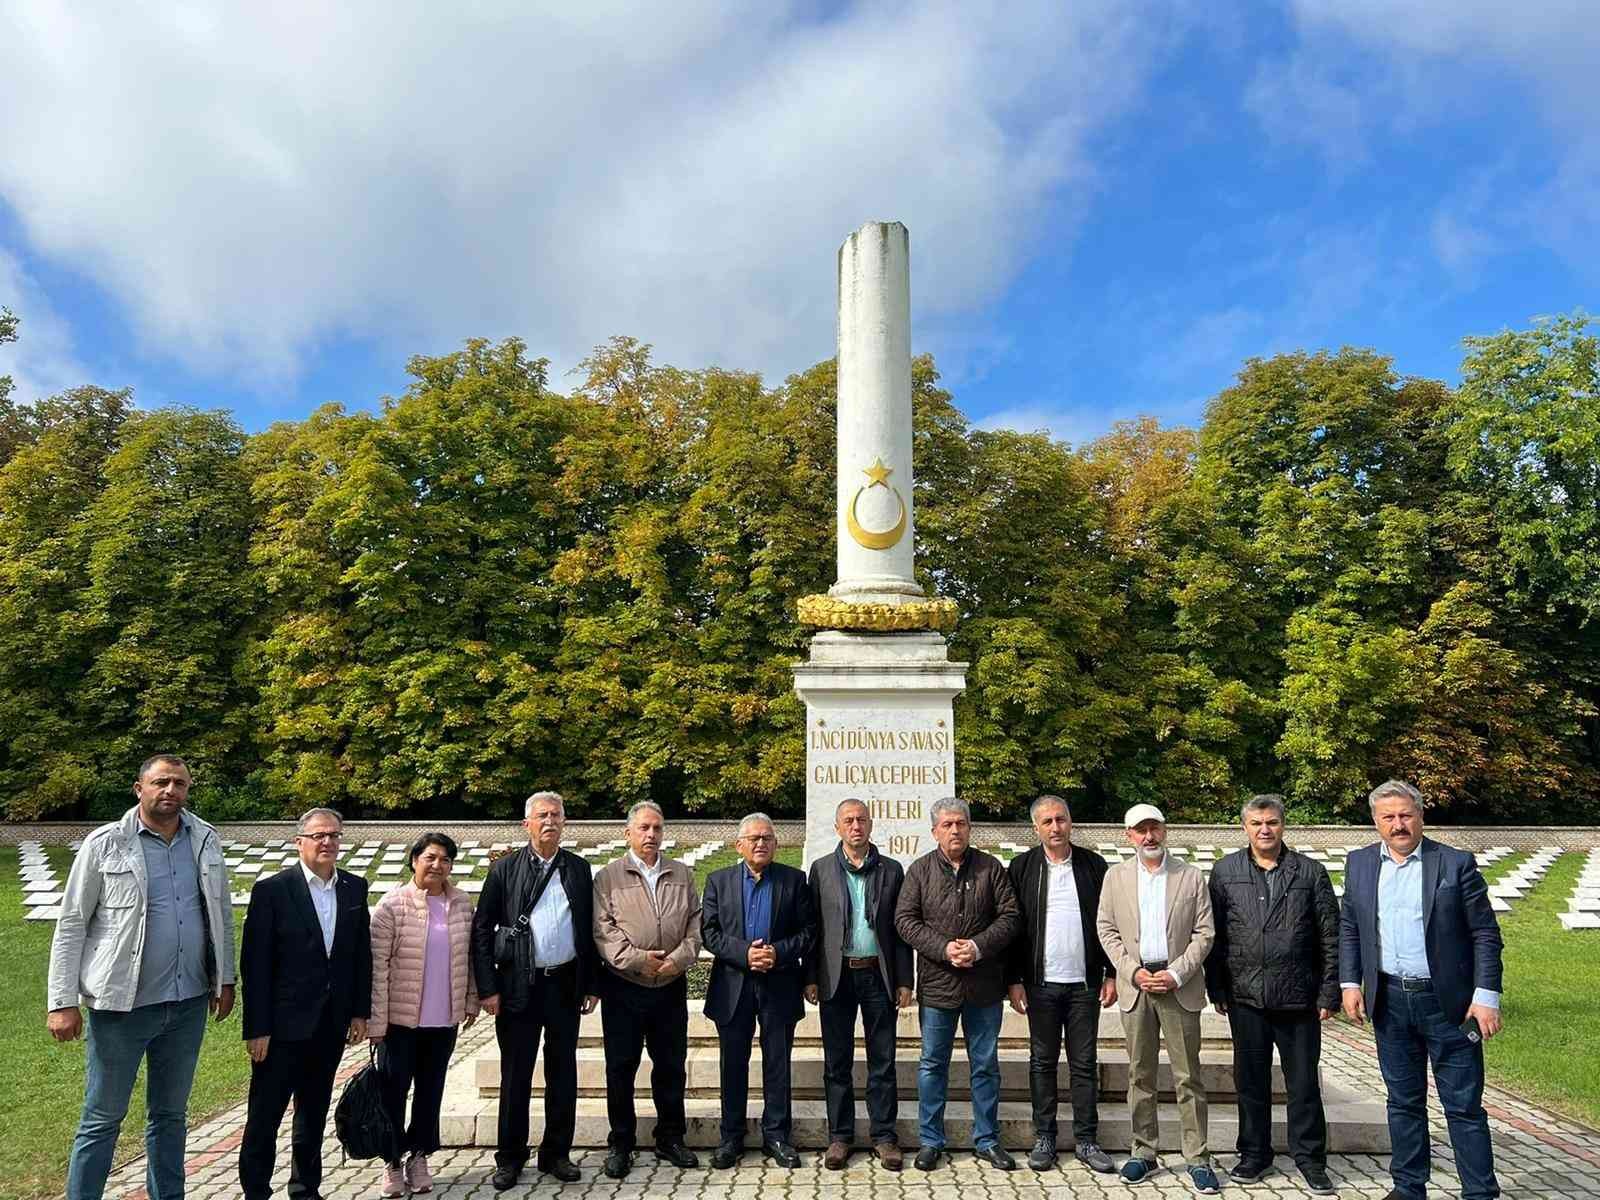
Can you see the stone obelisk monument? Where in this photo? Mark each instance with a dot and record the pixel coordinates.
(879, 684)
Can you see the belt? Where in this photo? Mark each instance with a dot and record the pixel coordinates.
(862, 964)
(560, 969)
(1408, 983)
(1153, 967)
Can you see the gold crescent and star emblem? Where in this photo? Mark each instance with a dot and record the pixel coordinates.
(874, 539)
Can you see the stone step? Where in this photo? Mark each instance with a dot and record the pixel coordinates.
(1013, 1028)
(1356, 1125)
(704, 1073)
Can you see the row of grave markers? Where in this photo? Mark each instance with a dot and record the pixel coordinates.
(1583, 908)
(43, 891)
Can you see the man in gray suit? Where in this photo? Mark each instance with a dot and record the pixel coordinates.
(861, 962)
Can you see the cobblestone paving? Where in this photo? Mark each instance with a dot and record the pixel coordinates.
(1537, 1155)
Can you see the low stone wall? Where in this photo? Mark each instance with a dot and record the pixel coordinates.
(692, 831)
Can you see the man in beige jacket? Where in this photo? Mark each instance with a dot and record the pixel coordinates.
(647, 927)
(1155, 925)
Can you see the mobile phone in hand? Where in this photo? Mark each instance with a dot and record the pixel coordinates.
(1470, 1028)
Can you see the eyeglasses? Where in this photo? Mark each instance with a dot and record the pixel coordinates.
(758, 838)
(334, 836)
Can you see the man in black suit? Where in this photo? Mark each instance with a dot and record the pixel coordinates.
(536, 966)
(757, 920)
(1419, 949)
(1059, 975)
(306, 966)
(860, 962)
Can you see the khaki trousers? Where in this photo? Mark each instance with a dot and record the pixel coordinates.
(1150, 1020)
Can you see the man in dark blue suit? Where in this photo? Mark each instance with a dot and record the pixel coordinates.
(757, 919)
(1419, 949)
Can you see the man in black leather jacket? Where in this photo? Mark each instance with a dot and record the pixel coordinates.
(1274, 971)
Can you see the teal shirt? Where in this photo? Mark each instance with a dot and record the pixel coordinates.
(859, 940)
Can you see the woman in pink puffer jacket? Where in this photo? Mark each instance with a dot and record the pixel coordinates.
(422, 989)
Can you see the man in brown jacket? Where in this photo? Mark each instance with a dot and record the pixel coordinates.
(958, 911)
(647, 927)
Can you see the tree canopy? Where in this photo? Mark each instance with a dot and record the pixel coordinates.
(485, 586)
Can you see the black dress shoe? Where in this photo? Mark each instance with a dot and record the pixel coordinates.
(618, 1163)
(927, 1158)
(562, 1168)
(677, 1154)
(997, 1156)
(1249, 1172)
(726, 1155)
(505, 1177)
(781, 1153)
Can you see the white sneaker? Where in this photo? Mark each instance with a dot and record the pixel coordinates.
(418, 1176)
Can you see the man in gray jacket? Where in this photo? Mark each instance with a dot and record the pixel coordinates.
(145, 941)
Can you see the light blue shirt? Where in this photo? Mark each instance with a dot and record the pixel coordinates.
(173, 964)
(325, 899)
(1402, 946)
(551, 923)
(859, 939)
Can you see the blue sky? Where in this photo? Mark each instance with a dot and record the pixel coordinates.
(1112, 204)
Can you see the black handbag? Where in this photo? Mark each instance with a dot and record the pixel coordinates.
(361, 1121)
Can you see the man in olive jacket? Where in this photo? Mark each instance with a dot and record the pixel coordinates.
(1274, 970)
(957, 910)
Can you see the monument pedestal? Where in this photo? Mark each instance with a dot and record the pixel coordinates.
(879, 729)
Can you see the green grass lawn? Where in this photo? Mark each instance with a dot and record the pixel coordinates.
(1547, 1050)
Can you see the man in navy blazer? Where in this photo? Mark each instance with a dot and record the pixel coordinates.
(306, 965)
(758, 921)
(1419, 949)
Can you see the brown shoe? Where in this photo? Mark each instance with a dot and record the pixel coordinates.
(889, 1155)
(838, 1154)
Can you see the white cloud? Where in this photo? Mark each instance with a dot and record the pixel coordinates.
(250, 179)
(41, 362)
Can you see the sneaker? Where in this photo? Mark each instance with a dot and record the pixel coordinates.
(1317, 1181)
(1043, 1155)
(1203, 1180)
(418, 1177)
(1096, 1159)
(394, 1181)
(1249, 1172)
(1137, 1169)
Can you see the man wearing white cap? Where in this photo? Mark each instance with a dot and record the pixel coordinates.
(1155, 925)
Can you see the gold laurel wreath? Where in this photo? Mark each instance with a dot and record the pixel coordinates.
(825, 612)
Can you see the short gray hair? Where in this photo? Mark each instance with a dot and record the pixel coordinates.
(1266, 802)
(312, 813)
(1033, 809)
(949, 804)
(843, 804)
(646, 806)
(756, 818)
(537, 797)
(1393, 789)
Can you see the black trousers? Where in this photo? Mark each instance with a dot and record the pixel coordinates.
(420, 1057)
(1072, 1009)
(633, 1017)
(859, 988)
(1298, 1036)
(733, 1047)
(301, 1070)
(552, 1012)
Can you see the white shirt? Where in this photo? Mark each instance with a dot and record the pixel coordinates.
(551, 924)
(1064, 958)
(1153, 914)
(652, 875)
(325, 900)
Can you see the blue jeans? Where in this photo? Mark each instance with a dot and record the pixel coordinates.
(169, 1035)
(1411, 1031)
(980, 1026)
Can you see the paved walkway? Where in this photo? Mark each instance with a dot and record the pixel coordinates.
(1538, 1154)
